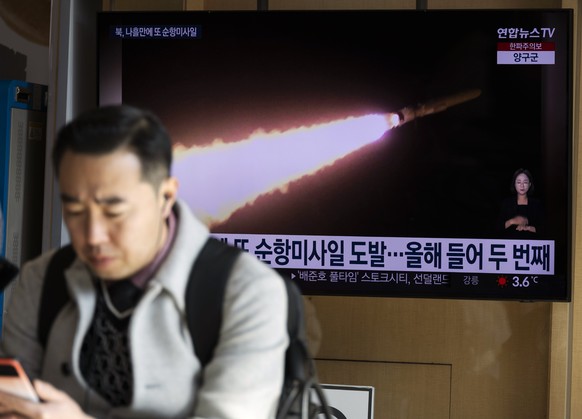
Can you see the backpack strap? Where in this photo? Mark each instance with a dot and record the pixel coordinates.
(54, 291)
(205, 295)
(297, 357)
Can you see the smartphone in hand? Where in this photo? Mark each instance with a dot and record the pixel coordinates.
(14, 380)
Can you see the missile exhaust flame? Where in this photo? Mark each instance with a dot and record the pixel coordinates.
(266, 162)
(224, 177)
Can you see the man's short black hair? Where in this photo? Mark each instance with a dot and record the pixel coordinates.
(110, 128)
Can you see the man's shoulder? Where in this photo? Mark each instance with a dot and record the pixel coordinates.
(25, 291)
(256, 280)
(249, 265)
(249, 275)
(38, 265)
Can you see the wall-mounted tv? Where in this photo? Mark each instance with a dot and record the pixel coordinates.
(366, 153)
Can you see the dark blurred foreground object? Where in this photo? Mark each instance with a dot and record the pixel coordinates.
(29, 19)
(8, 272)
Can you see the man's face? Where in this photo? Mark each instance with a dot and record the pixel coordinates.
(116, 219)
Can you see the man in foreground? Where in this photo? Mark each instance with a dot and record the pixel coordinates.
(120, 347)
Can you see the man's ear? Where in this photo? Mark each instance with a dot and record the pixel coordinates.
(169, 194)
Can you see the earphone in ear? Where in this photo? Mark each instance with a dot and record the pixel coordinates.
(166, 202)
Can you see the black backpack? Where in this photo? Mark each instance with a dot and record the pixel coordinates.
(208, 280)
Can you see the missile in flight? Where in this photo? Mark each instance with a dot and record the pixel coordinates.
(407, 114)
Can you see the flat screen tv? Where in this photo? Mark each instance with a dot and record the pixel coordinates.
(367, 153)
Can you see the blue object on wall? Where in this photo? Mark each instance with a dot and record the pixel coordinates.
(23, 107)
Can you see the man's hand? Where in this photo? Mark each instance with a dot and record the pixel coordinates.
(55, 404)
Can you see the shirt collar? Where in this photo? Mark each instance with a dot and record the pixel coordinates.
(142, 277)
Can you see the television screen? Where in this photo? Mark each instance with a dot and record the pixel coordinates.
(376, 153)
